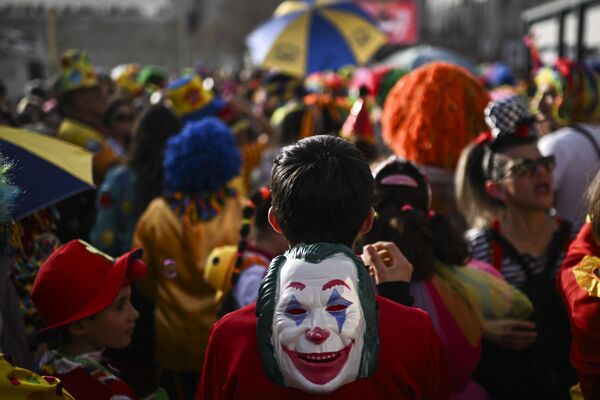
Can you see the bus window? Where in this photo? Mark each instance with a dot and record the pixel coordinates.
(591, 34)
(545, 34)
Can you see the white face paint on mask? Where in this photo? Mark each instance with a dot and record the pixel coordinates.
(319, 324)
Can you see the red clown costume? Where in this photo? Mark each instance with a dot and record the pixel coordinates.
(318, 331)
(578, 283)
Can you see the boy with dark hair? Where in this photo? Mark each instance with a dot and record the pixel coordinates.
(317, 327)
(322, 191)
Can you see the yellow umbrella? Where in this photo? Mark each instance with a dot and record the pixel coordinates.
(45, 169)
(315, 35)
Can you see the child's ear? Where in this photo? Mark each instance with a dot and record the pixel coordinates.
(78, 328)
(273, 221)
(495, 190)
(368, 222)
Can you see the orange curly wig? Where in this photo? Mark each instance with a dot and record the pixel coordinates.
(432, 113)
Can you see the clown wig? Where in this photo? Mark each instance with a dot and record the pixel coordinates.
(432, 113)
(577, 89)
(201, 159)
(267, 299)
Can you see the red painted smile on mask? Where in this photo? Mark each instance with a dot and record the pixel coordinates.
(320, 368)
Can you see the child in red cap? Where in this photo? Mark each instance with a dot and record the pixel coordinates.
(84, 297)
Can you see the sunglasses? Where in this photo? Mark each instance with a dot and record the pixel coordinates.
(527, 167)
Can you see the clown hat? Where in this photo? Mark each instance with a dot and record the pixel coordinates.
(152, 77)
(358, 124)
(76, 72)
(125, 77)
(190, 101)
(219, 268)
(78, 281)
(577, 89)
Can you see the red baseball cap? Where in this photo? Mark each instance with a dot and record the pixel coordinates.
(78, 281)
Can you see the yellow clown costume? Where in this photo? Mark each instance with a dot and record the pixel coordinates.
(77, 73)
(198, 212)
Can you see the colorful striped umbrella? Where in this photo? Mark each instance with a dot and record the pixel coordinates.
(46, 169)
(315, 35)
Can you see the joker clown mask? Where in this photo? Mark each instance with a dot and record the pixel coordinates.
(317, 323)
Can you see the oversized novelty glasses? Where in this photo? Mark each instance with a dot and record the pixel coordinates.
(528, 167)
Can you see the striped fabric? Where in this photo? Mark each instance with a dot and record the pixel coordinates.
(514, 274)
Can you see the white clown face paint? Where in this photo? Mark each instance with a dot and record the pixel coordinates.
(318, 325)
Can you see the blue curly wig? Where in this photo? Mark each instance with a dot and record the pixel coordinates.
(201, 159)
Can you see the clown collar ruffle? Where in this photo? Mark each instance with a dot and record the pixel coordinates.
(54, 362)
(586, 275)
(199, 207)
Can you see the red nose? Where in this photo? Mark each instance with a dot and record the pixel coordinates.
(317, 335)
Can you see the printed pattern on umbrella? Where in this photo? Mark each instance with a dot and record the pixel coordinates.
(310, 36)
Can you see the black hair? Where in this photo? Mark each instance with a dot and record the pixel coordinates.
(404, 218)
(113, 105)
(255, 215)
(322, 191)
(261, 199)
(152, 129)
(65, 101)
(291, 126)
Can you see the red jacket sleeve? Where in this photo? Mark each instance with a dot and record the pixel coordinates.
(583, 310)
(210, 386)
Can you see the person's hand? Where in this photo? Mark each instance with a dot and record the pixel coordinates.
(386, 263)
(509, 333)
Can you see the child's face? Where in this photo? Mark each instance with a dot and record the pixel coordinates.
(113, 327)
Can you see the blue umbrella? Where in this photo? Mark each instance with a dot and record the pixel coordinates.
(45, 169)
(416, 56)
(309, 36)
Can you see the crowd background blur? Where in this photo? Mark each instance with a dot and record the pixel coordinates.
(481, 168)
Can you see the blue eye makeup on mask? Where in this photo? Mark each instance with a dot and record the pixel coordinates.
(336, 306)
(295, 311)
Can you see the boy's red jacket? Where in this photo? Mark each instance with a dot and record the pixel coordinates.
(583, 307)
(410, 362)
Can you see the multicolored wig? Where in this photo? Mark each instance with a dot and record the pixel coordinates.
(577, 90)
(267, 299)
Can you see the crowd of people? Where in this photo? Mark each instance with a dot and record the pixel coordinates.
(362, 233)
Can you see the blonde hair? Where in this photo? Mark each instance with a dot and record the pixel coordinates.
(593, 204)
(478, 208)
